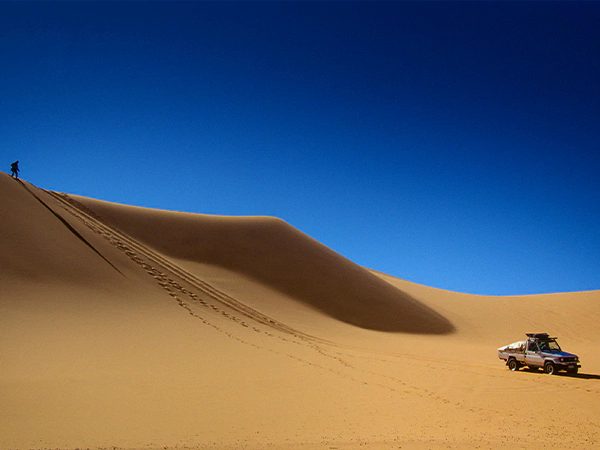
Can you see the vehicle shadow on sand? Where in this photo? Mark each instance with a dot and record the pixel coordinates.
(582, 376)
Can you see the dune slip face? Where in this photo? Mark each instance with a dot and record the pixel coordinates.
(125, 327)
(280, 256)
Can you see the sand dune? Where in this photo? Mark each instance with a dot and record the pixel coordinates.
(136, 328)
(274, 253)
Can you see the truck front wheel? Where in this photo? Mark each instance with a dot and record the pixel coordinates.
(549, 368)
(513, 364)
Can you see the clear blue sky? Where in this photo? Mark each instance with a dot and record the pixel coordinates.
(455, 145)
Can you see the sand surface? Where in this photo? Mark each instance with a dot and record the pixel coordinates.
(135, 328)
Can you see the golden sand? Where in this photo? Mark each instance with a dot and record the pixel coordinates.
(136, 328)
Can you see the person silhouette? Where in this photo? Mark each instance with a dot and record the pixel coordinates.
(14, 168)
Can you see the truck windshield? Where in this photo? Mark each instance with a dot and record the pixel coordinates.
(549, 346)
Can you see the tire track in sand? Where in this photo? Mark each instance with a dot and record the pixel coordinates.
(159, 267)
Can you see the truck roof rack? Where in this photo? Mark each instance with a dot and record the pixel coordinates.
(538, 335)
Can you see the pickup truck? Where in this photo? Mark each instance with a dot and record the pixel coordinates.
(539, 350)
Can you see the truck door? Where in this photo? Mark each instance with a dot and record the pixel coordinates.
(532, 355)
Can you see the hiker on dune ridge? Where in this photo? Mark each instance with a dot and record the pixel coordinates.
(14, 168)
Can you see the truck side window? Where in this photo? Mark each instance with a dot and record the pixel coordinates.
(533, 347)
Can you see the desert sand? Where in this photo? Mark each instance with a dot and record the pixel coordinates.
(143, 329)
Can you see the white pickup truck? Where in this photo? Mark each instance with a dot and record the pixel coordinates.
(539, 350)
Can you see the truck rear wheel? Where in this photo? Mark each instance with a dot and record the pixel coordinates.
(513, 364)
(549, 368)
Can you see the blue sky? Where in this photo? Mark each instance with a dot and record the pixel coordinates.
(455, 145)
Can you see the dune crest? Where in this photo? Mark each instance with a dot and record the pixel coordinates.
(40, 245)
(273, 252)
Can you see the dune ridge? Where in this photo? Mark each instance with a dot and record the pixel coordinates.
(38, 243)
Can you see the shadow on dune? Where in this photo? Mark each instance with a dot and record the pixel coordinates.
(276, 254)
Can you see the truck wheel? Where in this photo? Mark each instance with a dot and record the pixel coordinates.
(549, 368)
(573, 371)
(513, 364)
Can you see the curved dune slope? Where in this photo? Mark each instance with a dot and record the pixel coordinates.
(274, 253)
